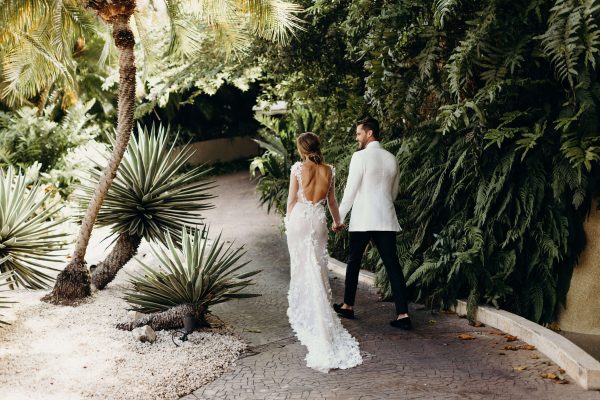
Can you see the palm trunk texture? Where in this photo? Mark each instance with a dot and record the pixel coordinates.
(125, 248)
(73, 283)
(170, 319)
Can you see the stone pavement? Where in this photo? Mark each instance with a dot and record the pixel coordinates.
(429, 362)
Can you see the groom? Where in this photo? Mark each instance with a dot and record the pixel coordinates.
(371, 189)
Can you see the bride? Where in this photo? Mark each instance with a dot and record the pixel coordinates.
(312, 184)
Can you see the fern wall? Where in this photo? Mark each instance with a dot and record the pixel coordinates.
(491, 107)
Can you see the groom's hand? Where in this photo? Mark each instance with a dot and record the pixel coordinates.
(337, 227)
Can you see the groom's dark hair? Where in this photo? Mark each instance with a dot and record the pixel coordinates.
(370, 123)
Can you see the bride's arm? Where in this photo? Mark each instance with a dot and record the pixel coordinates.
(332, 203)
(292, 193)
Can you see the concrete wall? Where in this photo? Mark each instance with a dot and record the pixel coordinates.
(582, 312)
(223, 150)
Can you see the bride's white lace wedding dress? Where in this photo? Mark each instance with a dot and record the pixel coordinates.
(316, 325)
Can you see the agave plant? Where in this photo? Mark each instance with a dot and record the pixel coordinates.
(188, 281)
(5, 280)
(29, 236)
(151, 196)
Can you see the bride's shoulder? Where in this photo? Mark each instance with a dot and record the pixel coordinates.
(331, 167)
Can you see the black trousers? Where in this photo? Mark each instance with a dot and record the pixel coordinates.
(385, 242)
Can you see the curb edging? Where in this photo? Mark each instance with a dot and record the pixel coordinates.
(578, 364)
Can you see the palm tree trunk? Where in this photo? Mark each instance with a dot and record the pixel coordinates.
(125, 248)
(73, 283)
(170, 319)
(43, 100)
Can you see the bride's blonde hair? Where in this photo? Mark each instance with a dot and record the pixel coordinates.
(309, 146)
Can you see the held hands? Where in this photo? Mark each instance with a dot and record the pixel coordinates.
(338, 227)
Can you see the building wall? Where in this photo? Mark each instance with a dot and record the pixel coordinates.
(582, 312)
(223, 150)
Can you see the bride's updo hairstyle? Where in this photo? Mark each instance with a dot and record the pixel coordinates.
(309, 146)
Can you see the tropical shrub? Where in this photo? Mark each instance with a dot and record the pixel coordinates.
(150, 197)
(30, 237)
(278, 138)
(189, 280)
(491, 109)
(5, 280)
(26, 136)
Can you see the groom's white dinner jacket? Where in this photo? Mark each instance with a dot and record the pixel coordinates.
(371, 189)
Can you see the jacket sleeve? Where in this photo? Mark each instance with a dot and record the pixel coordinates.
(355, 176)
(396, 184)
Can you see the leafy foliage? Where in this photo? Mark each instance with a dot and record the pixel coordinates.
(202, 273)
(37, 39)
(29, 237)
(151, 196)
(490, 108)
(278, 138)
(26, 136)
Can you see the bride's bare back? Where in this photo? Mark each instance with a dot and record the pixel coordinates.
(316, 180)
(318, 185)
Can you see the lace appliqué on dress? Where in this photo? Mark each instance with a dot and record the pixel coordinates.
(315, 324)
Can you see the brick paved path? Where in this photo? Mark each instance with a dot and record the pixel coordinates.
(427, 363)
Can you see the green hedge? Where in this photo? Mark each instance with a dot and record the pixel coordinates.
(491, 110)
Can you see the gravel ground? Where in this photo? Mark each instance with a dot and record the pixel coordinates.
(52, 352)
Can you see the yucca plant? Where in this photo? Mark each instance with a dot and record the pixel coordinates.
(29, 236)
(151, 196)
(5, 280)
(188, 281)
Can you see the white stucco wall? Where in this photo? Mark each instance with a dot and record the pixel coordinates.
(223, 150)
(582, 312)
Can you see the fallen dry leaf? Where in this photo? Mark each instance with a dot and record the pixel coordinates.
(431, 321)
(554, 326)
(549, 375)
(510, 338)
(521, 347)
(562, 381)
(535, 356)
(464, 336)
(476, 324)
(521, 368)
(562, 371)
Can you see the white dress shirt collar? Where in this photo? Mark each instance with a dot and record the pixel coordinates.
(374, 143)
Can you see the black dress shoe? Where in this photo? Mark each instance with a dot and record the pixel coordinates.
(343, 312)
(402, 323)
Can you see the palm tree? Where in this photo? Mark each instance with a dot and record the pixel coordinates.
(37, 42)
(272, 19)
